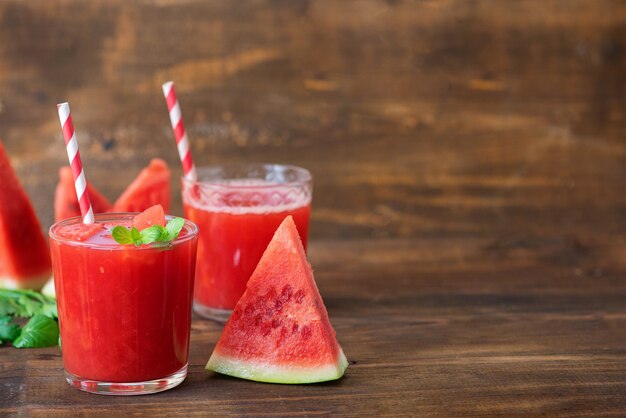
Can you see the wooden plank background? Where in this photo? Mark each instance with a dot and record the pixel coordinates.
(469, 214)
(416, 117)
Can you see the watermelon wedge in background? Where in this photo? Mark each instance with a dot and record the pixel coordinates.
(151, 187)
(66, 202)
(24, 254)
(279, 331)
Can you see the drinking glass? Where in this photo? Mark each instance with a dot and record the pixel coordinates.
(237, 208)
(124, 310)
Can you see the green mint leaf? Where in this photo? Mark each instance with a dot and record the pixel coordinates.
(9, 330)
(39, 331)
(50, 310)
(122, 235)
(18, 302)
(39, 303)
(155, 233)
(135, 236)
(10, 306)
(26, 303)
(174, 227)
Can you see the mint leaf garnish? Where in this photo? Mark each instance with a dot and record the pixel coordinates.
(121, 235)
(174, 227)
(155, 233)
(136, 236)
(39, 331)
(26, 303)
(9, 330)
(40, 308)
(49, 309)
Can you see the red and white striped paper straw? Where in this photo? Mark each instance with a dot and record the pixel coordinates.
(182, 142)
(80, 183)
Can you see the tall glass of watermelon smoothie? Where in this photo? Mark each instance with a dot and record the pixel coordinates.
(237, 209)
(124, 310)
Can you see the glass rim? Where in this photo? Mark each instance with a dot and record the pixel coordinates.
(192, 231)
(304, 176)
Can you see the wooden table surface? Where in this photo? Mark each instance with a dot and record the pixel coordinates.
(468, 231)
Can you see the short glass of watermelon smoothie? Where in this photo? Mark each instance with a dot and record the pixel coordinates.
(124, 310)
(237, 208)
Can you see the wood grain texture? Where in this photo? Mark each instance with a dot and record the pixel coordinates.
(432, 117)
(468, 227)
(440, 327)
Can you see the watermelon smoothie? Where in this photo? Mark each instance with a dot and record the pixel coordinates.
(237, 209)
(124, 310)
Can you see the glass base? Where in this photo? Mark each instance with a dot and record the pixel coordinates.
(128, 388)
(216, 314)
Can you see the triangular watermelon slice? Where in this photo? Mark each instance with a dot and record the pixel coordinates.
(279, 332)
(24, 254)
(66, 202)
(151, 187)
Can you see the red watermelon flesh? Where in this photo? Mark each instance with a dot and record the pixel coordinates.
(151, 187)
(24, 254)
(80, 231)
(66, 202)
(279, 331)
(154, 215)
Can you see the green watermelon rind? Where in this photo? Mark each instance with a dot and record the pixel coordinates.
(34, 281)
(48, 288)
(287, 374)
